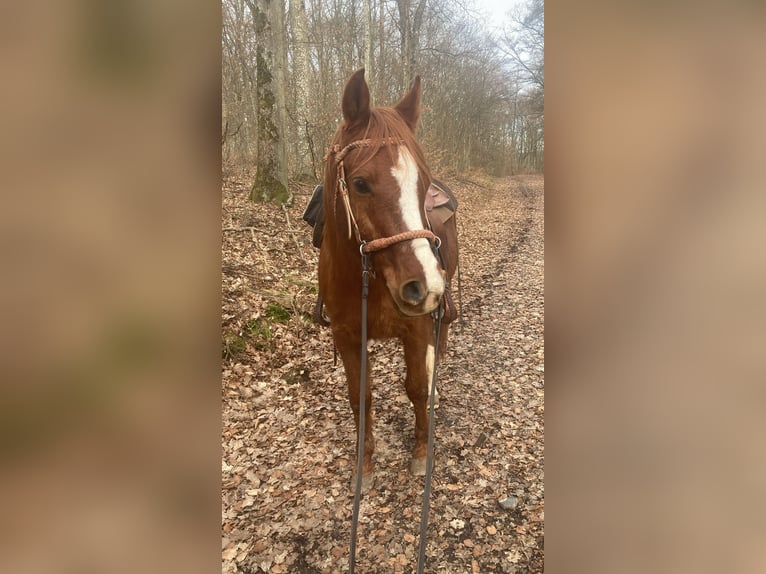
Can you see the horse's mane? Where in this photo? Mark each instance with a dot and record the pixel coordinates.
(384, 124)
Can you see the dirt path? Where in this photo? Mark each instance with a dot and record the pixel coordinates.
(288, 435)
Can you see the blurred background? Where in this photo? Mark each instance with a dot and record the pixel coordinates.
(110, 296)
(655, 268)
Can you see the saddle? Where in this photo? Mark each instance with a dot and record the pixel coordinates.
(440, 201)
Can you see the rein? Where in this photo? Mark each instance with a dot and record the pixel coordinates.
(437, 319)
(436, 316)
(366, 248)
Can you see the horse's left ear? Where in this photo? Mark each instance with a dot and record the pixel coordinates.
(409, 106)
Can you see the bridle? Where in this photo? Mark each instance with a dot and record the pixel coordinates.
(339, 153)
(366, 248)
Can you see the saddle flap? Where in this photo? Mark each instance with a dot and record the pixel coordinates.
(436, 197)
(314, 211)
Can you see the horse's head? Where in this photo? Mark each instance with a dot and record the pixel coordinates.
(377, 163)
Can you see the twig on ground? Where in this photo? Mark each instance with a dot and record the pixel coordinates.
(292, 234)
(252, 229)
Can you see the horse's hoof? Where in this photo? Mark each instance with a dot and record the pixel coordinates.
(368, 481)
(418, 466)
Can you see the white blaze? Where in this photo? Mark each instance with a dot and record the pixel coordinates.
(406, 174)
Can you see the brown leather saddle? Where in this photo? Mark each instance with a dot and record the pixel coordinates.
(442, 203)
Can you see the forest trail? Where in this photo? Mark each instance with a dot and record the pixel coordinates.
(288, 435)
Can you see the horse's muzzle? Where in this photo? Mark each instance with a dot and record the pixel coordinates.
(414, 278)
(415, 299)
(413, 292)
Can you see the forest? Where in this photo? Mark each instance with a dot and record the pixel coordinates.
(285, 63)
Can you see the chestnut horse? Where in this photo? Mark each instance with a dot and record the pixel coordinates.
(375, 183)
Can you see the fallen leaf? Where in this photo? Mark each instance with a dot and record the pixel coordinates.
(229, 553)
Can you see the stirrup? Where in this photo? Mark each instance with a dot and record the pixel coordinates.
(450, 310)
(318, 316)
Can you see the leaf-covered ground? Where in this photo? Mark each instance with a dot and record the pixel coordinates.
(288, 434)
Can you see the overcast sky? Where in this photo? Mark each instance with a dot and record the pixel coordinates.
(497, 9)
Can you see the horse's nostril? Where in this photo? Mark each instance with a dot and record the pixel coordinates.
(413, 292)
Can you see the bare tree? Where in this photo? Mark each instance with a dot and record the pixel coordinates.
(410, 22)
(367, 5)
(271, 175)
(524, 42)
(238, 84)
(303, 144)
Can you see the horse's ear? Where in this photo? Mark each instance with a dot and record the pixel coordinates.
(356, 100)
(409, 106)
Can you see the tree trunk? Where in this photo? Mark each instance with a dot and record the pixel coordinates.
(301, 80)
(280, 82)
(370, 73)
(381, 71)
(410, 22)
(271, 176)
(405, 42)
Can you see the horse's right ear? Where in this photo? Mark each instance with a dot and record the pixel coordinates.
(356, 100)
(409, 106)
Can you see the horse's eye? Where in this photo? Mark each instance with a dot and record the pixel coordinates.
(361, 185)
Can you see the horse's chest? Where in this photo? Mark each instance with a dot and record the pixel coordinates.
(384, 319)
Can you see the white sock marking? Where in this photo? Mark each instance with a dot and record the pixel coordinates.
(430, 372)
(406, 174)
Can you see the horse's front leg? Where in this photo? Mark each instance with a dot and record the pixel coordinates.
(419, 358)
(351, 354)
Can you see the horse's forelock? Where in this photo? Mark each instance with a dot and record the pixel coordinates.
(385, 124)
